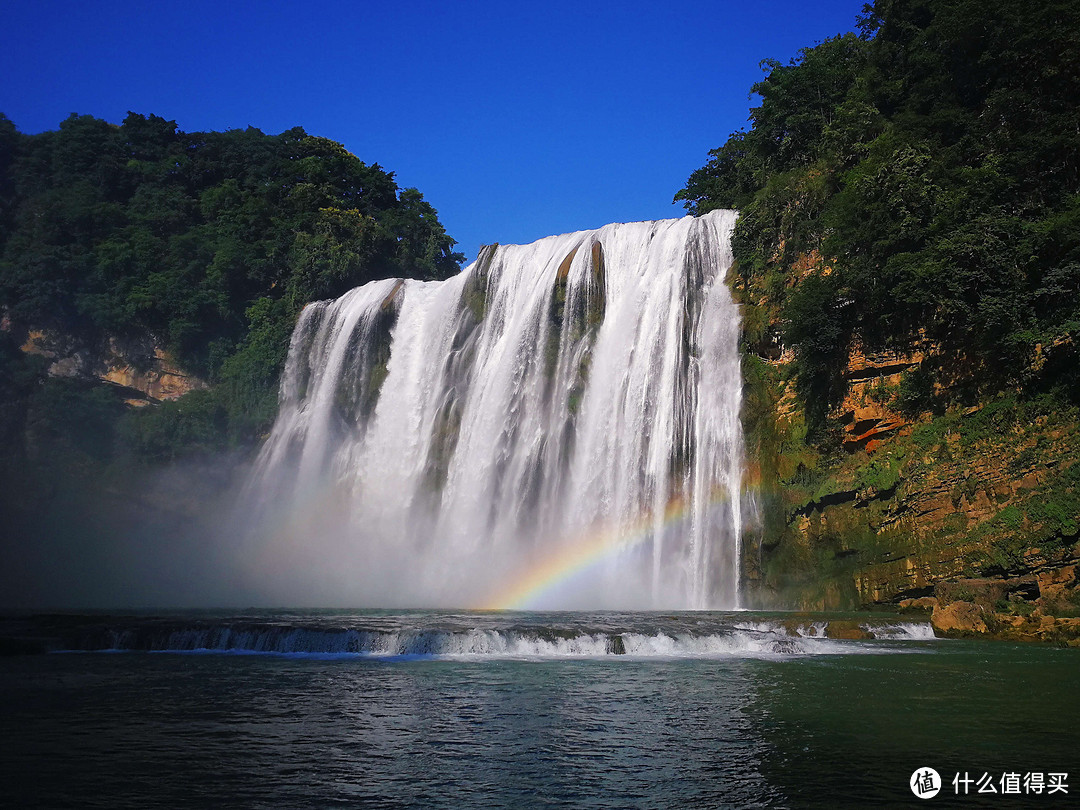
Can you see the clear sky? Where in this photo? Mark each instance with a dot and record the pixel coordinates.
(515, 120)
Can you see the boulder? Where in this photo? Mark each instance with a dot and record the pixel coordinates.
(849, 630)
(959, 618)
(924, 604)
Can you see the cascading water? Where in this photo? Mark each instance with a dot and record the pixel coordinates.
(557, 426)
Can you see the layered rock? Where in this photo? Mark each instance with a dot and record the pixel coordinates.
(864, 412)
(910, 504)
(143, 369)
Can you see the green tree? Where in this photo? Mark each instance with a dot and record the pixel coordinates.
(209, 241)
(932, 164)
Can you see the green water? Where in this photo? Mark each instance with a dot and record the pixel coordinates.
(710, 712)
(856, 727)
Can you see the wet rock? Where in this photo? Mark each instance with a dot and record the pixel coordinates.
(392, 299)
(959, 619)
(564, 267)
(849, 630)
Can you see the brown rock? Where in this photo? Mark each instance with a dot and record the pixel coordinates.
(878, 364)
(160, 379)
(923, 603)
(867, 423)
(598, 267)
(564, 268)
(1052, 583)
(847, 630)
(37, 343)
(138, 365)
(981, 590)
(389, 300)
(958, 618)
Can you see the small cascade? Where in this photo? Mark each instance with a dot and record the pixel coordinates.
(479, 635)
(555, 427)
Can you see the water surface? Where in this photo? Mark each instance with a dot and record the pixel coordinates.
(727, 711)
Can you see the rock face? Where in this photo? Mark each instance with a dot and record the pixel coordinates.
(971, 511)
(866, 419)
(1057, 583)
(145, 370)
(1015, 609)
(958, 619)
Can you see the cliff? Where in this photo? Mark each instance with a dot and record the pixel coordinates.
(141, 369)
(967, 510)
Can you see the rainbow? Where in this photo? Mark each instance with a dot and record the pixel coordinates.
(572, 559)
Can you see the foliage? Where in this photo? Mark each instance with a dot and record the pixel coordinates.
(195, 423)
(209, 241)
(927, 171)
(143, 227)
(916, 391)
(70, 427)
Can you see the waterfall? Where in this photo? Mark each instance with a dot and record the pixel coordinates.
(557, 426)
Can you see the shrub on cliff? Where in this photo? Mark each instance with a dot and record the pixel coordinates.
(926, 174)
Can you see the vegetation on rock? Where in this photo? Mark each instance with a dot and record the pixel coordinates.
(919, 180)
(911, 194)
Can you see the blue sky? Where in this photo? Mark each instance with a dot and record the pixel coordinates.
(516, 120)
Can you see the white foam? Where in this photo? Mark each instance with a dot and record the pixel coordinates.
(747, 639)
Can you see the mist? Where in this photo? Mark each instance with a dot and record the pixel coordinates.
(144, 538)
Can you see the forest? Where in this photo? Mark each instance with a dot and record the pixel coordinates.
(929, 167)
(211, 242)
(908, 260)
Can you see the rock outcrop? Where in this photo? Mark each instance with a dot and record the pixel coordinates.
(970, 511)
(143, 369)
(959, 619)
(1013, 609)
(866, 418)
